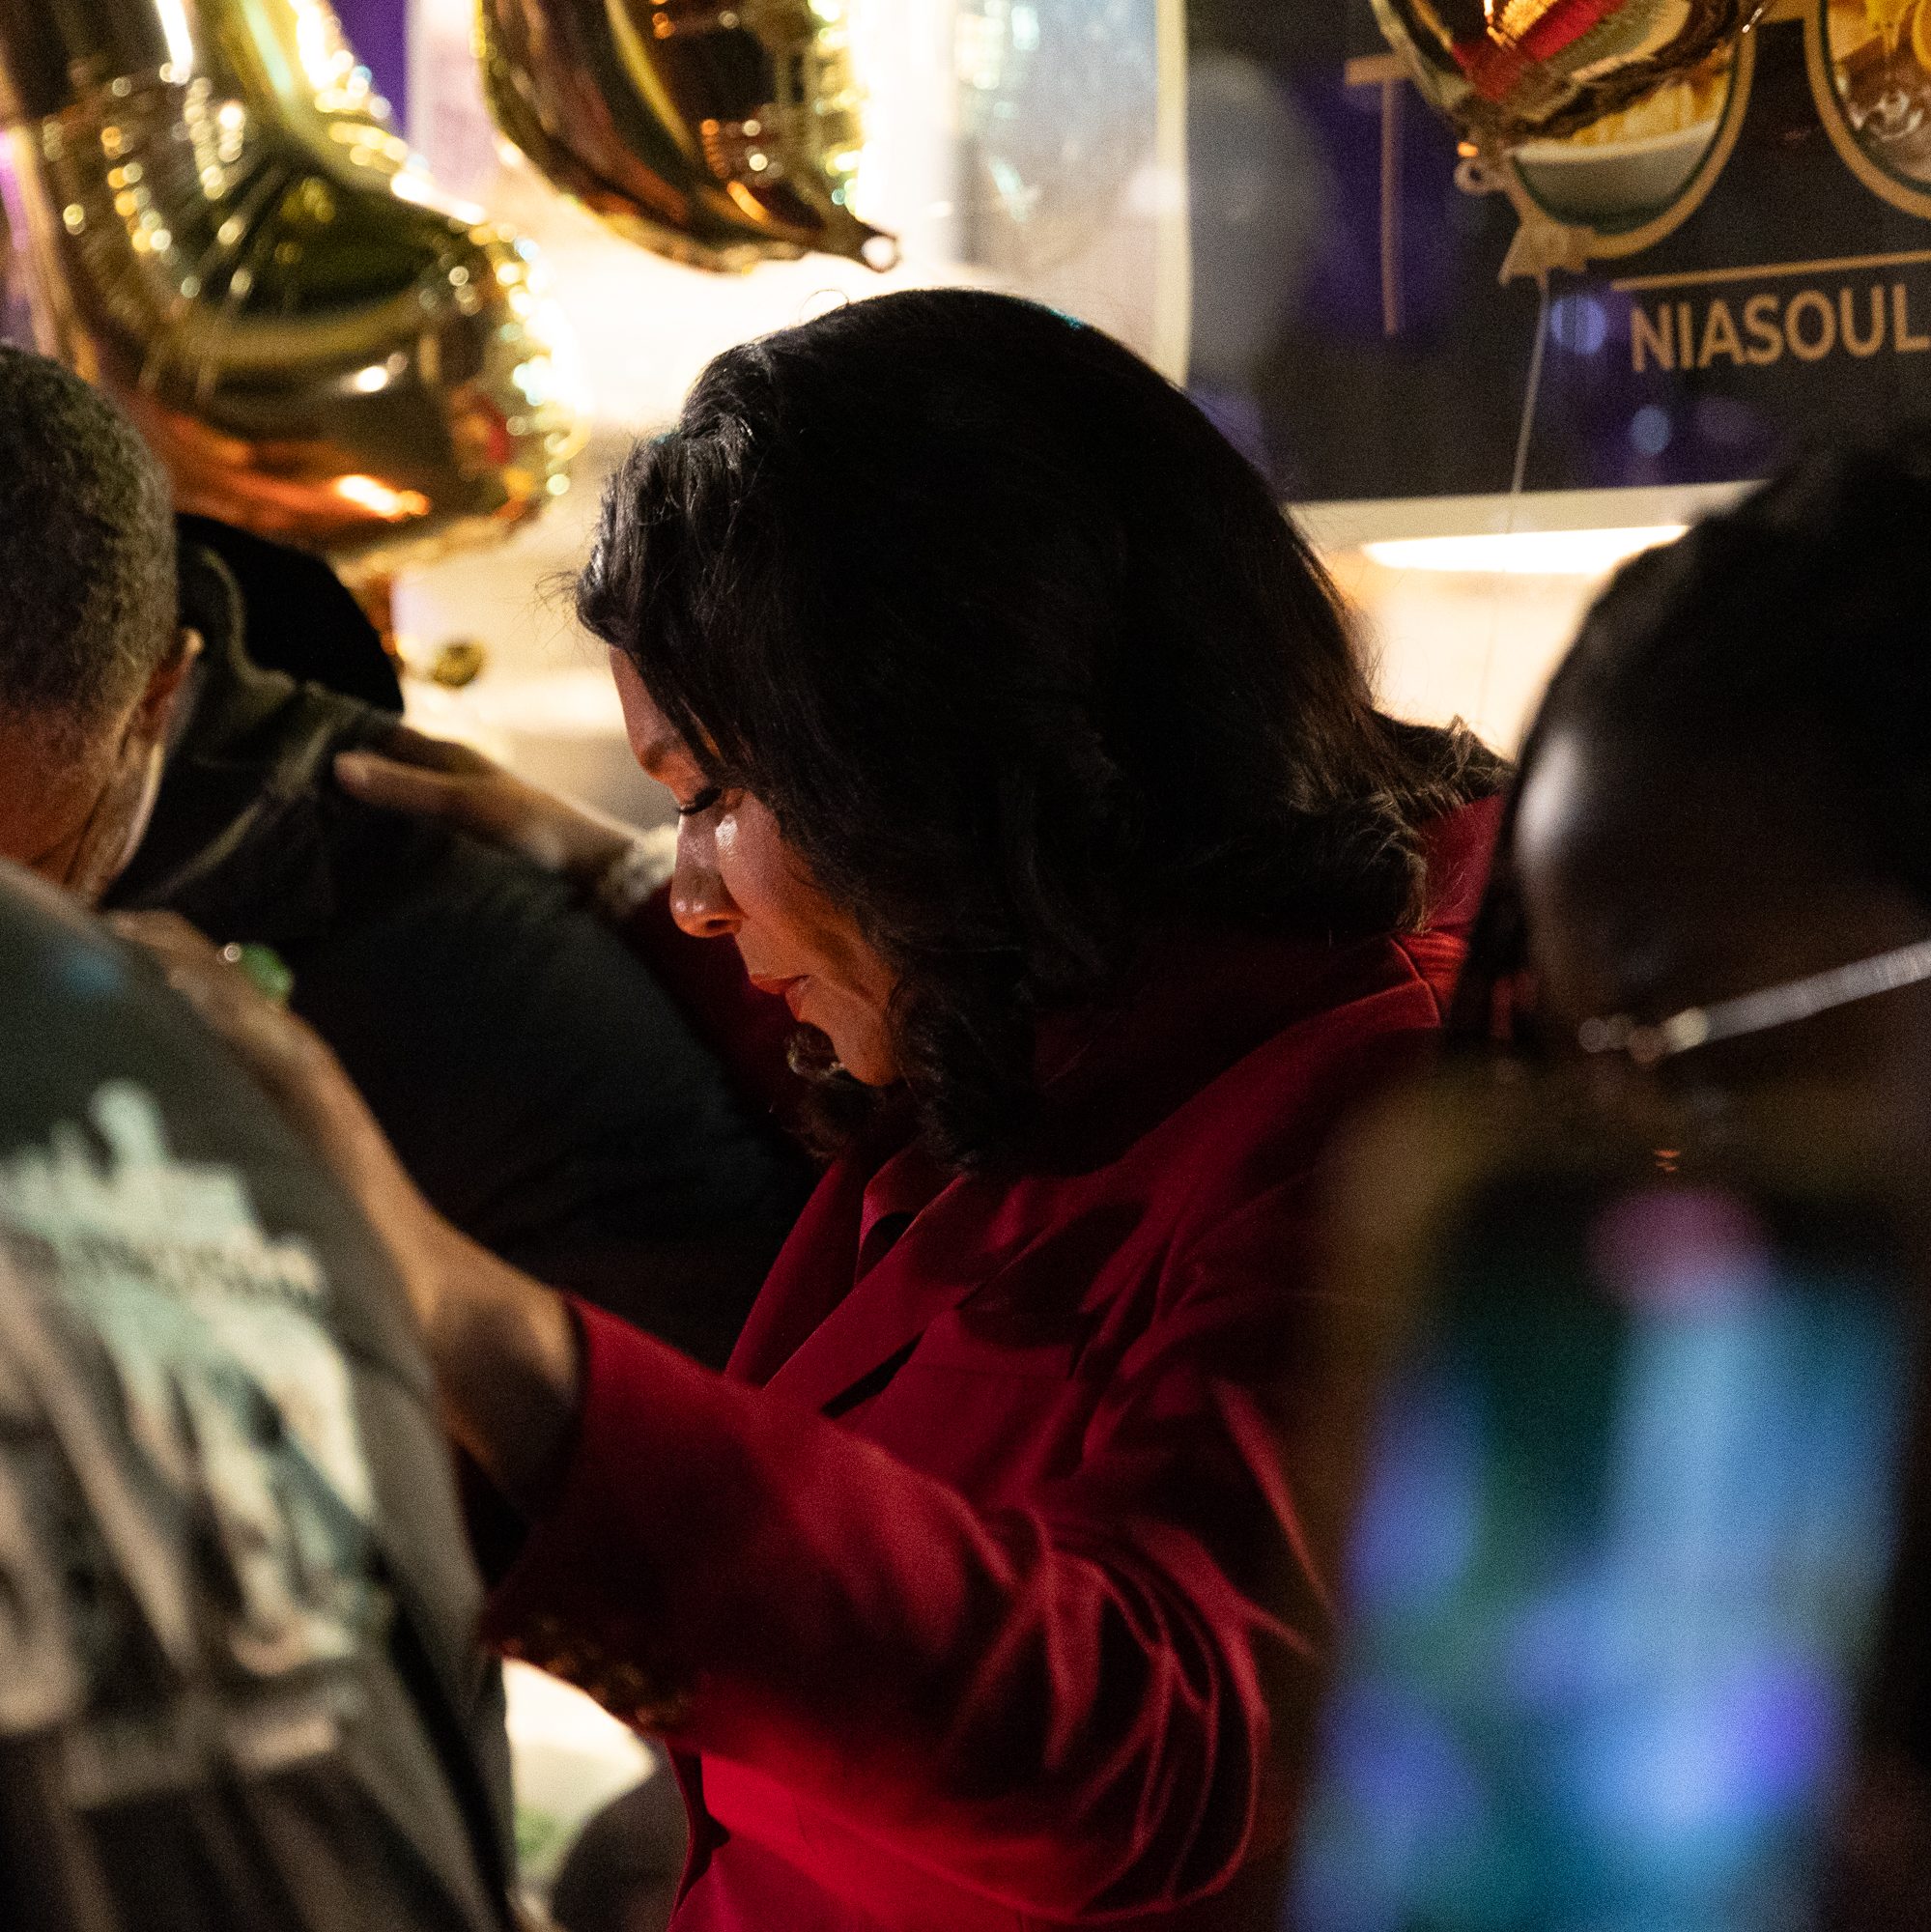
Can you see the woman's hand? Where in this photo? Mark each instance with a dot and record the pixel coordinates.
(503, 1348)
(428, 777)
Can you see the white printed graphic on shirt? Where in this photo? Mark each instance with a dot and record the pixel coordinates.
(211, 1473)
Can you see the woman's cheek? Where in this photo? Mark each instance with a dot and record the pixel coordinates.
(727, 852)
(752, 861)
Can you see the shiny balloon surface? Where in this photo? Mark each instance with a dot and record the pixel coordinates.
(219, 224)
(719, 136)
(1058, 106)
(1509, 72)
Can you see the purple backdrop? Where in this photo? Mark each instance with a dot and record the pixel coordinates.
(379, 31)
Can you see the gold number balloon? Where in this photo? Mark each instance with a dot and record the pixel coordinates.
(221, 227)
(717, 134)
(1508, 72)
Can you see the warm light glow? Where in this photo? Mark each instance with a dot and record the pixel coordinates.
(319, 48)
(410, 186)
(368, 493)
(176, 33)
(1523, 552)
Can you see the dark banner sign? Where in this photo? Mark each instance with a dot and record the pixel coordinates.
(1737, 263)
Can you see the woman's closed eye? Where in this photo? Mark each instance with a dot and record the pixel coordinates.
(702, 803)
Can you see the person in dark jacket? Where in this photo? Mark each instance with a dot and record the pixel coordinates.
(304, 620)
(538, 1080)
(240, 1690)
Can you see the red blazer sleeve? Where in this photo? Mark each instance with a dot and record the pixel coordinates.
(1078, 1707)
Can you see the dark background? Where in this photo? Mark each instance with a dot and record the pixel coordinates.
(1289, 352)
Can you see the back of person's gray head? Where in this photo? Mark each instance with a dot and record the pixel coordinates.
(87, 550)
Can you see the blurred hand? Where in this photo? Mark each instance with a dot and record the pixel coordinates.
(503, 1348)
(429, 777)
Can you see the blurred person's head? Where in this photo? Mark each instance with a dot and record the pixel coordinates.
(1728, 792)
(92, 655)
(976, 658)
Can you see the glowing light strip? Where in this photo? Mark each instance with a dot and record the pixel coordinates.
(1523, 552)
(175, 31)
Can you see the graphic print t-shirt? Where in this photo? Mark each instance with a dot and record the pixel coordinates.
(238, 1687)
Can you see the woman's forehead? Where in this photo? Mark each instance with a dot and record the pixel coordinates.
(1596, 821)
(1640, 850)
(654, 740)
(1555, 803)
(1614, 802)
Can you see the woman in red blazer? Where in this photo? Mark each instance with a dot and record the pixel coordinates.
(1022, 751)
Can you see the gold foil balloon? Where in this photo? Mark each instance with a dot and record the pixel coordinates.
(1509, 72)
(717, 134)
(221, 227)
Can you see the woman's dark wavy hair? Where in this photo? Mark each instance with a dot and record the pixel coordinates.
(1796, 623)
(1026, 661)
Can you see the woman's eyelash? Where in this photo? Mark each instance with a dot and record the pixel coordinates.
(704, 801)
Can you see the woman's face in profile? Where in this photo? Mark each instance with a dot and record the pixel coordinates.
(737, 878)
(1654, 881)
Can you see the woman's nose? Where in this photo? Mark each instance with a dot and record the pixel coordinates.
(700, 902)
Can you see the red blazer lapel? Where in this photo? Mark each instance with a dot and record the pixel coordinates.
(941, 1258)
(811, 1274)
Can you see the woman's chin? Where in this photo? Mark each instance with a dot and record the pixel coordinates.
(878, 1072)
(866, 1057)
